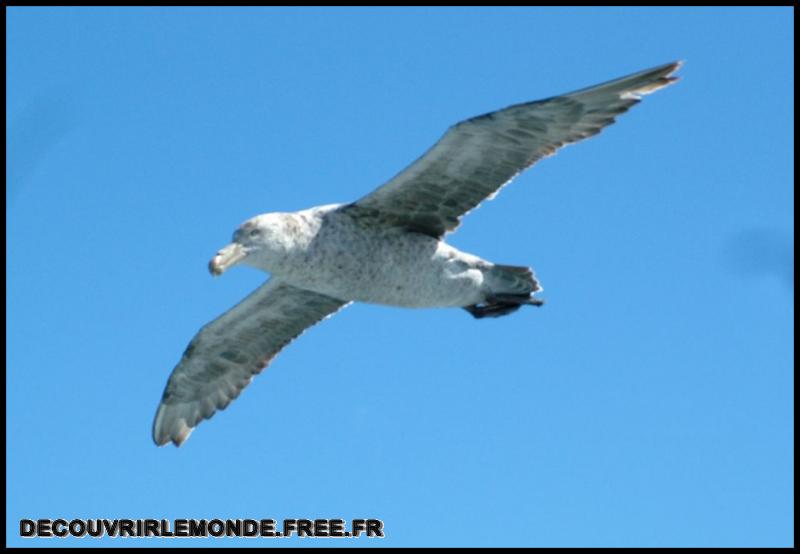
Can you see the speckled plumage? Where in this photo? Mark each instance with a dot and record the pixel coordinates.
(325, 250)
(385, 248)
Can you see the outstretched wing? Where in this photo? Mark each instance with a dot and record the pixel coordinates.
(227, 353)
(476, 157)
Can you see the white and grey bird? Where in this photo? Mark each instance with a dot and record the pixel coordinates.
(386, 248)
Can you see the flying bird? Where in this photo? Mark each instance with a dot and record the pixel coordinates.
(386, 248)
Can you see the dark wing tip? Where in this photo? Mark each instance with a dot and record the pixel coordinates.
(631, 87)
(169, 429)
(654, 79)
(666, 69)
(673, 67)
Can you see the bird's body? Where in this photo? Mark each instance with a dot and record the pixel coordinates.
(327, 251)
(386, 248)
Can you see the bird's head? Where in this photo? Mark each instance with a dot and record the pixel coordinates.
(256, 243)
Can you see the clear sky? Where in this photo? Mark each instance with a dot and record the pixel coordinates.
(649, 402)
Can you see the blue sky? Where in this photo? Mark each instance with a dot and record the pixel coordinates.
(649, 402)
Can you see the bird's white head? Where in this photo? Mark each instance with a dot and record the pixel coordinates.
(258, 242)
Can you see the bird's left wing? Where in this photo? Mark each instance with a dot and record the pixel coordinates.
(476, 157)
(227, 353)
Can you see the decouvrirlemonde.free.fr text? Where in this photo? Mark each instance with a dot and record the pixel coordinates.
(252, 528)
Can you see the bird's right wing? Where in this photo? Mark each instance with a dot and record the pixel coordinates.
(227, 353)
(476, 157)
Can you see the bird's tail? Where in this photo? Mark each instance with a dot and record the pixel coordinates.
(512, 280)
(509, 287)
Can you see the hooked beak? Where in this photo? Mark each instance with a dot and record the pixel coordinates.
(226, 258)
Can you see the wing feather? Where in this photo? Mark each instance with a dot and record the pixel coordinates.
(476, 157)
(227, 353)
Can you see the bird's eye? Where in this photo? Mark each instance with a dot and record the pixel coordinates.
(254, 233)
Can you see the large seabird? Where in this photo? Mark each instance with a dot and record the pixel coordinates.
(385, 248)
